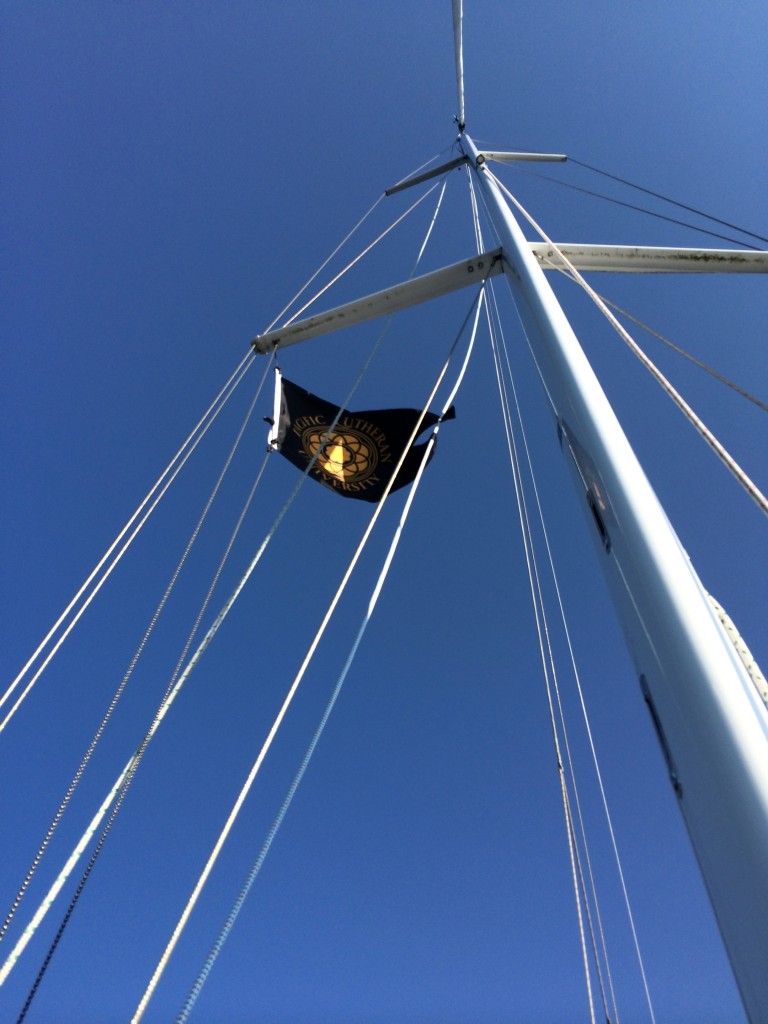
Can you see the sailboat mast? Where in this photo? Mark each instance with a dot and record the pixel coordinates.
(711, 722)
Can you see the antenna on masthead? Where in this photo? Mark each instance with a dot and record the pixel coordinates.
(458, 14)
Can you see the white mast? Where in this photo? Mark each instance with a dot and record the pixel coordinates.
(458, 47)
(711, 722)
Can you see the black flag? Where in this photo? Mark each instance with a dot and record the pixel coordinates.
(358, 457)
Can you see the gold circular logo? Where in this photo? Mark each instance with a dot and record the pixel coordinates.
(348, 455)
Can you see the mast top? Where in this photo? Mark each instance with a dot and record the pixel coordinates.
(458, 14)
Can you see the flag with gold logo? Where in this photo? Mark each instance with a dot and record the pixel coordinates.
(355, 453)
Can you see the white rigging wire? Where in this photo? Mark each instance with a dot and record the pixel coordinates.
(120, 785)
(632, 206)
(201, 426)
(546, 655)
(431, 224)
(681, 351)
(507, 415)
(548, 661)
(137, 654)
(164, 959)
(590, 737)
(323, 265)
(725, 457)
(133, 760)
(152, 498)
(360, 255)
(328, 259)
(593, 750)
(243, 894)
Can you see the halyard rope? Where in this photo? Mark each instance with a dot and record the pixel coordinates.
(323, 265)
(360, 255)
(212, 411)
(589, 731)
(162, 963)
(152, 498)
(237, 906)
(585, 715)
(120, 786)
(328, 259)
(139, 650)
(548, 662)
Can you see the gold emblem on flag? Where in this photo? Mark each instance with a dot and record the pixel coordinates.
(347, 456)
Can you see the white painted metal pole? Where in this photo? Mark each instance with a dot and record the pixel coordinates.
(711, 722)
(458, 48)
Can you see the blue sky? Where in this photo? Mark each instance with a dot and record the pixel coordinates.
(173, 174)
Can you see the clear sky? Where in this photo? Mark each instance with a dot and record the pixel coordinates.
(173, 173)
